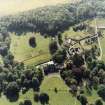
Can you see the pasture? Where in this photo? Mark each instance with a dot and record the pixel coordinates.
(23, 52)
(63, 96)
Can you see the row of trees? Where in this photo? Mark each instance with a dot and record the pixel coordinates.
(43, 98)
(4, 42)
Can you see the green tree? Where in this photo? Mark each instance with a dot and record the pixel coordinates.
(53, 47)
(12, 91)
(27, 102)
(36, 97)
(95, 82)
(98, 102)
(60, 38)
(35, 83)
(78, 60)
(83, 100)
(101, 91)
(44, 98)
(59, 56)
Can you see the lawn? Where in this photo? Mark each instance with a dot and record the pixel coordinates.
(23, 52)
(72, 34)
(63, 96)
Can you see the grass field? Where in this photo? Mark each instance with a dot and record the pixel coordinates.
(63, 97)
(23, 52)
(72, 34)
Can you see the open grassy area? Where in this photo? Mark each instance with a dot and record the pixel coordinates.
(63, 97)
(23, 52)
(72, 34)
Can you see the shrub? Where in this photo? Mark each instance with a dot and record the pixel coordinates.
(36, 97)
(101, 91)
(98, 102)
(27, 102)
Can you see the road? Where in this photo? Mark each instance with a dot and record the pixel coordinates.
(96, 32)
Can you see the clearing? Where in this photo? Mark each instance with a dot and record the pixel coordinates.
(63, 96)
(23, 52)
